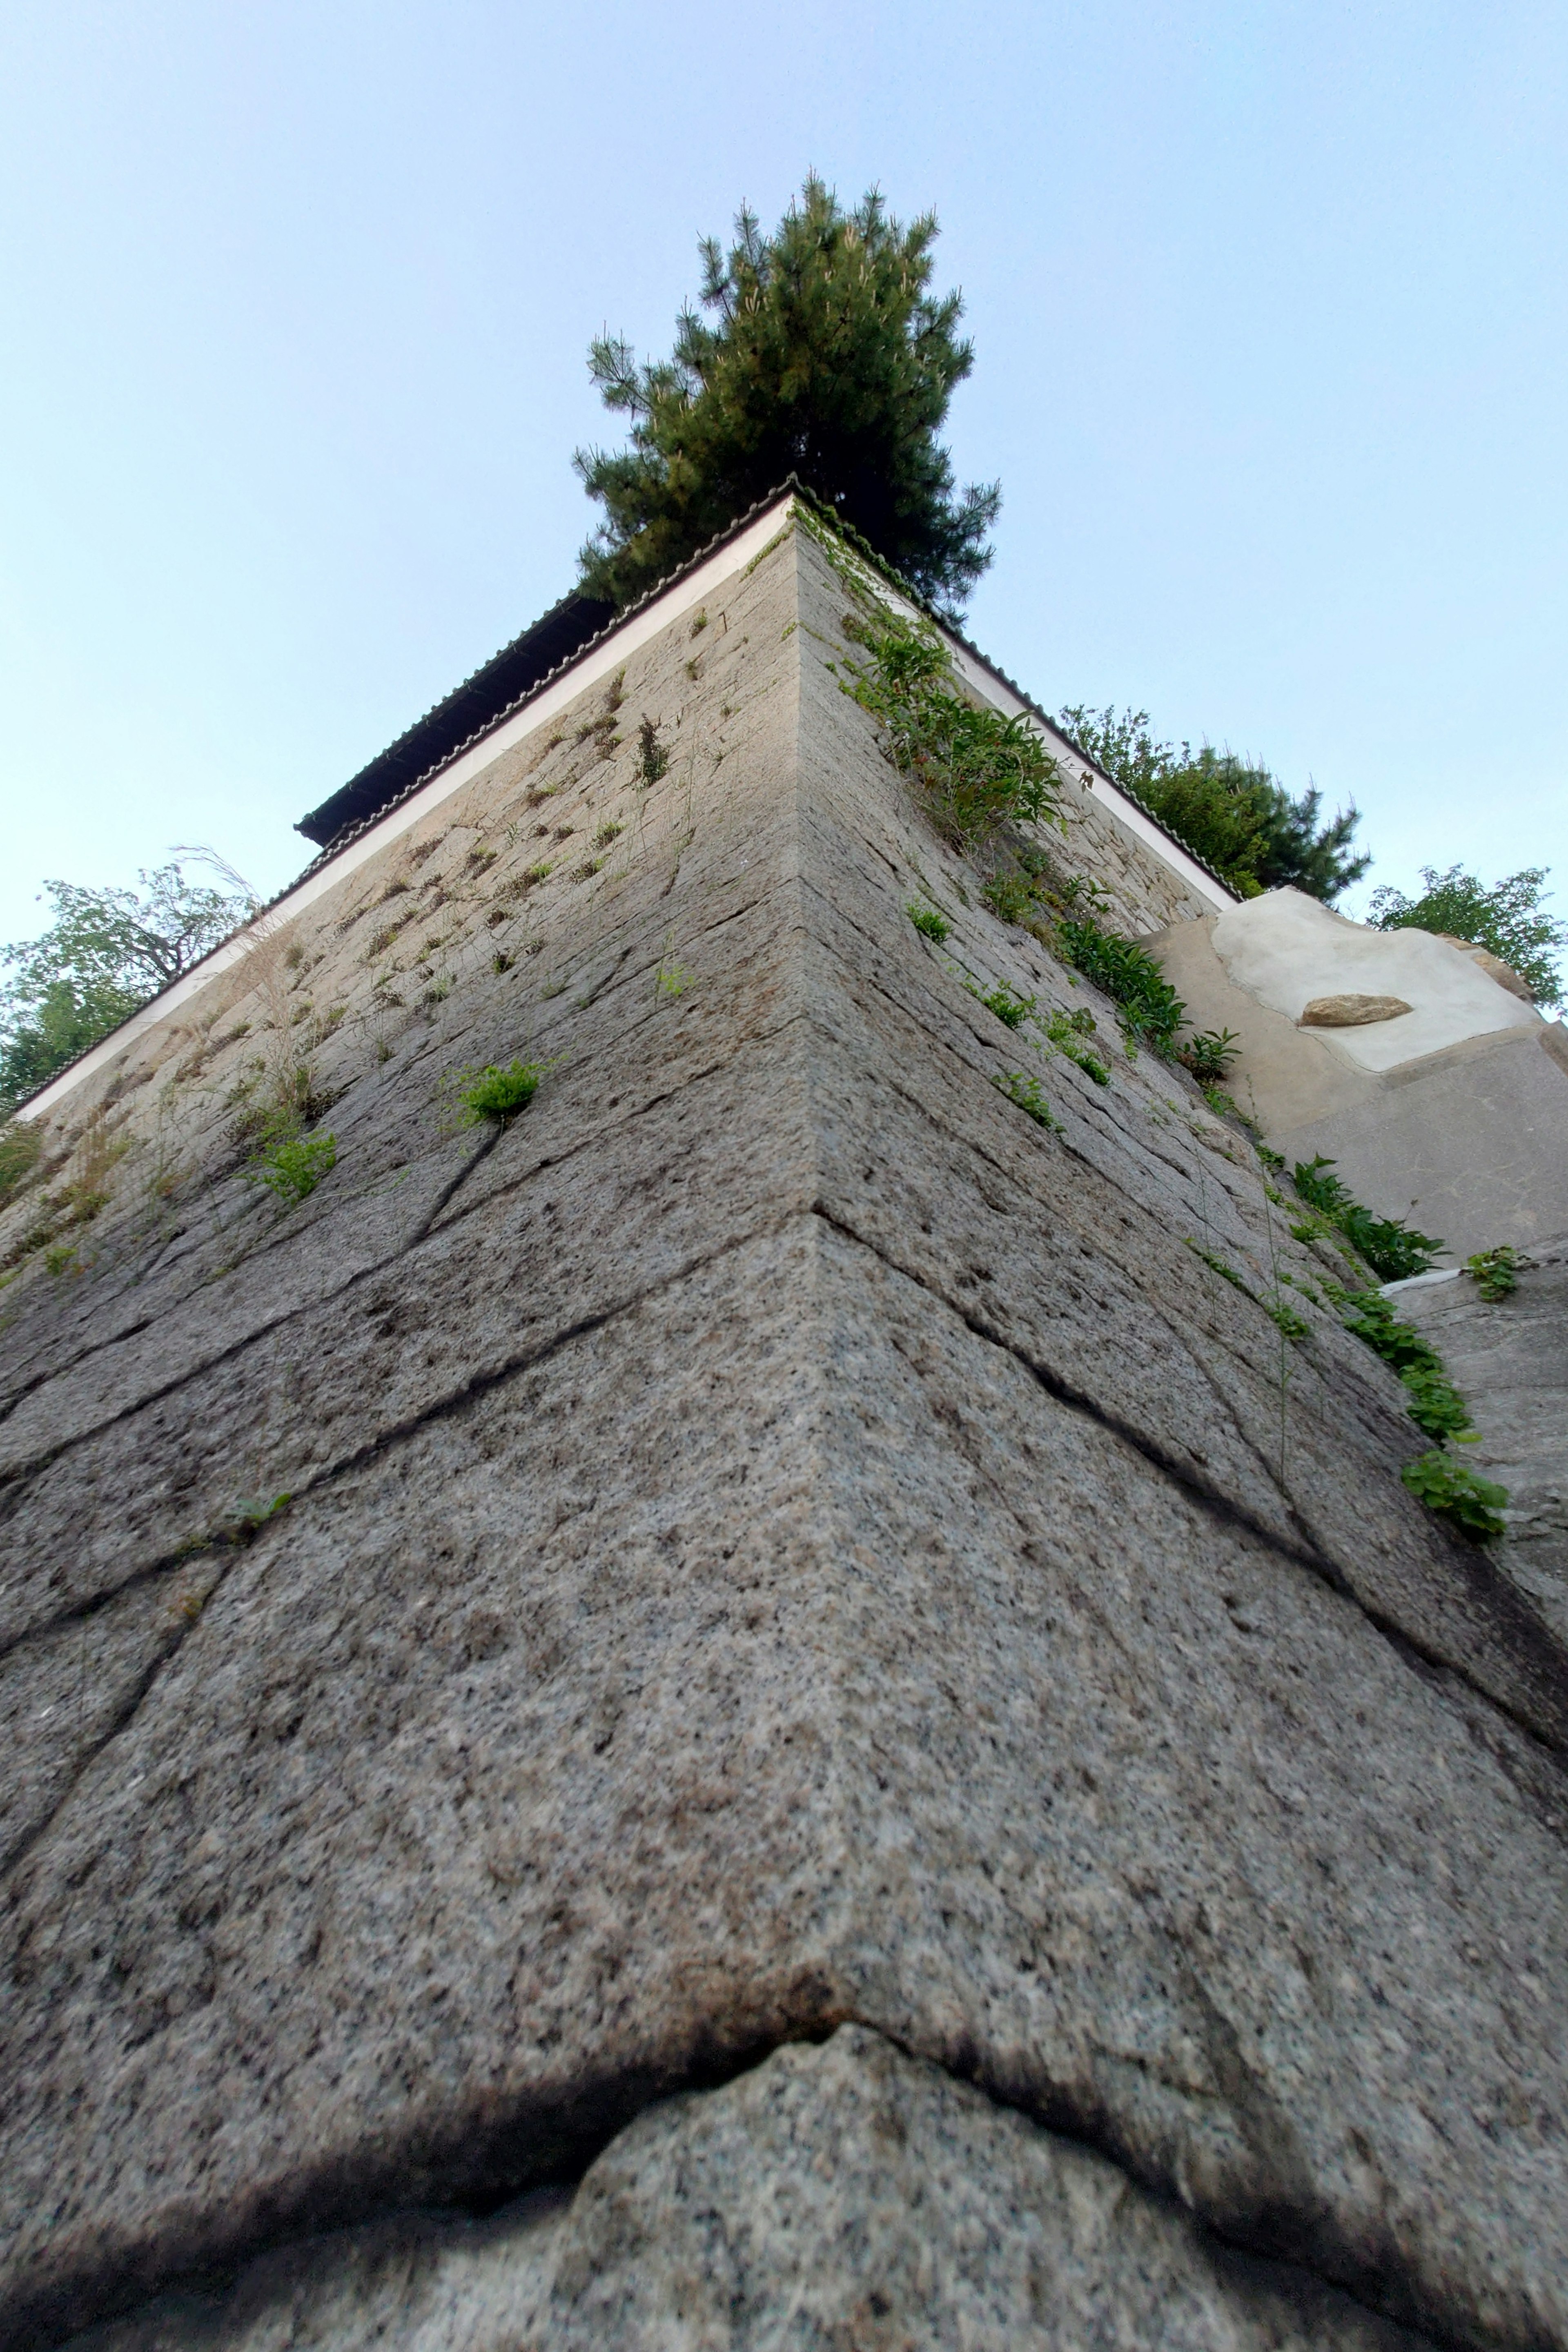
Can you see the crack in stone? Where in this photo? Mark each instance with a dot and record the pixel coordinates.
(573, 2131)
(419, 1233)
(439, 1409)
(1220, 1505)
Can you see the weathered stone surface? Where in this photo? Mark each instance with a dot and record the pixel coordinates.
(777, 1538)
(1350, 1011)
(1509, 1356)
(846, 2195)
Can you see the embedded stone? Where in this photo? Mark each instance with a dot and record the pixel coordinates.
(1350, 1011)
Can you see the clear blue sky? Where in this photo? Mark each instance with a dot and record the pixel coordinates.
(1267, 302)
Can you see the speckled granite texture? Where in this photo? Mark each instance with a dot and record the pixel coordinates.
(1509, 1356)
(842, 2196)
(778, 1540)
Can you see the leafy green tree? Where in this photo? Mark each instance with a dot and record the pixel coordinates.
(829, 359)
(105, 953)
(1507, 919)
(1232, 812)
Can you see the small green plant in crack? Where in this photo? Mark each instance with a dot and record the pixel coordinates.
(1067, 1031)
(1473, 1505)
(1436, 1407)
(495, 1093)
(1151, 1012)
(1208, 1055)
(1435, 1403)
(670, 979)
(653, 758)
(291, 1166)
(929, 924)
(1393, 1249)
(62, 1259)
(1010, 1009)
(609, 831)
(1496, 1273)
(1026, 1092)
(1010, 898)
(535, 875)
(699, 623)
(246, 1520)
(975, 768)
(21, 1149)
(1285, 1316)
(1216, 1264)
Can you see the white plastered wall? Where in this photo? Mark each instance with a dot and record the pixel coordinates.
(1285, 949)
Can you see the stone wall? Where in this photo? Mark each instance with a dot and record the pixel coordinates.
(781, 1547)
(1139, 892)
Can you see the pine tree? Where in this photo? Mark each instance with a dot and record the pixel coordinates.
(829, 359)
(1237, 815)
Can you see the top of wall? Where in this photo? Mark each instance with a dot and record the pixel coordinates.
(493, 689)
(395, 791)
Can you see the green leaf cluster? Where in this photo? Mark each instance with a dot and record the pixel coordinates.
(1067, 1031)
(1231, 812)
(931, 924)
(1435, 1403)
(1506, 919)
(495, 1093)
(1496, 1273)
(975, 768)
(1208, 1054)
(1474, 1504)
(1151, 1012)
(291, 1166)
(1027, 1093)
(21, 1147)
(1009, 1008)
(826, 357)
(1391, 1247)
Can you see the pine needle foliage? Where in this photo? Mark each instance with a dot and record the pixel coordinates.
(1231, 811)
(827, 357)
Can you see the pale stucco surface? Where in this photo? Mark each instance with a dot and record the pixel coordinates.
(1286, 948)
(1468, 1142)
(778, 1539)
